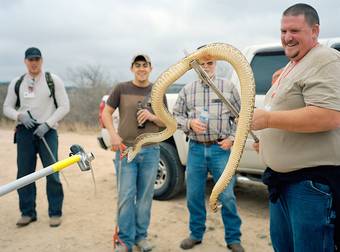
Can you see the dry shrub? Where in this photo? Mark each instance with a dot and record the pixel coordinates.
(91, 83)
(77, 127)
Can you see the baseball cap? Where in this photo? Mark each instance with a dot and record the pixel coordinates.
(142, 57)
(32, 52)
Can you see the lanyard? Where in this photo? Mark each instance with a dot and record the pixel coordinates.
(284, 74)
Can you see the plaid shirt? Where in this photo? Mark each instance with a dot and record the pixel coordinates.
(198, 96)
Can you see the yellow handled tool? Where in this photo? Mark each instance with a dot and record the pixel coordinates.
(77, 155)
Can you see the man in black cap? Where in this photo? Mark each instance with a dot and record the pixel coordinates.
(37, 101)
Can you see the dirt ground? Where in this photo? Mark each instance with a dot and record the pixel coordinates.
(89, 217)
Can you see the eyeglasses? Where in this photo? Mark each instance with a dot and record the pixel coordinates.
(34, 59)
(209, 63)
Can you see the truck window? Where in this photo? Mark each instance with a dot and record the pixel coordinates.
(264, 64)
(336, 47)
(175, 88)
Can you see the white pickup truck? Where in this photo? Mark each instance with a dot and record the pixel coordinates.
(264, 61)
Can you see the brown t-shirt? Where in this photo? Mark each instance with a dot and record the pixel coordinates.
(125, 96)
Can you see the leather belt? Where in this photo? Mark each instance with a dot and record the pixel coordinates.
(208, 143)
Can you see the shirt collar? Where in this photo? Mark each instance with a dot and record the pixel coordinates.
(205, 84)
(35, 78)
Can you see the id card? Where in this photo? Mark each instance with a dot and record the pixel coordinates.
(29, 93)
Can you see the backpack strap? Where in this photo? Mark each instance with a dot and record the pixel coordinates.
(17, 88)
(50, 85)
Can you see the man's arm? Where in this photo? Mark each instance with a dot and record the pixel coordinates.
(180, 112)
(116, 140)
(236, 102)
(309, 119)
(10, 101)
(145, 114)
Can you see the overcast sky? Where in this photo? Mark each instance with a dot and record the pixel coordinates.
(73, 33)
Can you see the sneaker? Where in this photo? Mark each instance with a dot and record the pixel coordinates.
(236, 247)
(55, 221)
(25, 220)
(144, 245)
(189, 243)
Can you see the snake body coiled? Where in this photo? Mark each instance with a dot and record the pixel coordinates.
(218, 51)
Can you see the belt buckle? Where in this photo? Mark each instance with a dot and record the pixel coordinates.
(208, 143)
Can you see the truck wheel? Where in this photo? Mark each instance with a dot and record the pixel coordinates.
(170, 173)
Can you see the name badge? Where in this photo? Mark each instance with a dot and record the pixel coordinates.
(28, 94)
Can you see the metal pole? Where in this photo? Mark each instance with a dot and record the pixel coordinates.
(30, 178)
(50, 152)
(206, 79)
(53, 158)
(21, 182)
(48, 149)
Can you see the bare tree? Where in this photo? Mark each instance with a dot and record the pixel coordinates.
(89, 84)
(3, 92)
(89, 76)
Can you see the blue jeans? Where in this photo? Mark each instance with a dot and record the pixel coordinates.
(28, 146)
(201, 160)
(302, 218)
(136, 187)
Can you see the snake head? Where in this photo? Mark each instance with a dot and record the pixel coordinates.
(213, 207)
(213, 204)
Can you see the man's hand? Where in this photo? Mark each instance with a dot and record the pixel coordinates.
(260, 119)
(144, 115)
(226, 143)
(41, 130)
(197, 126)
(116, 142)
(26, 120)
(256, 146)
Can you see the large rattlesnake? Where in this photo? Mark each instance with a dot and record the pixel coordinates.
(218, 51)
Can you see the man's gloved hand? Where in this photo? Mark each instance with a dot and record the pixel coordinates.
(26, 120)
(41, 130)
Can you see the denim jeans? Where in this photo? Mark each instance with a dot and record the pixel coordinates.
(28, 146)
(201, 160)
(136, 187)
(302, 218)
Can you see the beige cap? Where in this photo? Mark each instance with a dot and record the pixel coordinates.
(142, 57)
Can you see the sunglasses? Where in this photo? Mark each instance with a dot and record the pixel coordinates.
(209, 63)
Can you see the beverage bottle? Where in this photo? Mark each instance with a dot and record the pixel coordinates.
(139, 107)
(204, 117)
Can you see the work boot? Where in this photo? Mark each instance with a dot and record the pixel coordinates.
(25, 220)
(144, 245)
(236, 247)
(55, 221)
(189, 243)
